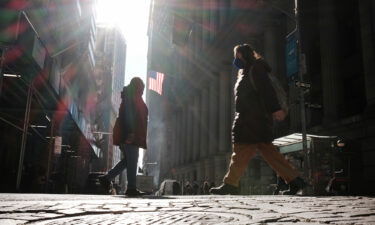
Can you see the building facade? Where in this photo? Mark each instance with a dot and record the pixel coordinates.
(47, 95)
(110, 54)
(192, 43)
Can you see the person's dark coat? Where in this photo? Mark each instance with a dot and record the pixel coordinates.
(133, 115)
(121, 117)
(254, 106)
(137, 121)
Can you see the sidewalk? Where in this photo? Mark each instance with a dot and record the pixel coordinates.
(97, 209)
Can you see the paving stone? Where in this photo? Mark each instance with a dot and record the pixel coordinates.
(170, 209)
(116, 206)
(123, 210)
(216, 209)
(293, 223)
(138, 205)
(182, 205)
(362, 213)
(77, 209)
(18, 216)
(263, 216)
(71, 211)
(196, 209)
(145, 209)
(12, 222)
(160, 204)
(63, 206)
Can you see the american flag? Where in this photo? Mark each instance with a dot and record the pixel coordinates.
(155, 81)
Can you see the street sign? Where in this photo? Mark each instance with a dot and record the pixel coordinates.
(291, 55)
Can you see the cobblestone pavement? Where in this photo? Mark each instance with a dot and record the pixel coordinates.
(97, 209)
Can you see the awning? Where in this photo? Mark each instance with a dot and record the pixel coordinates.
(293, 142)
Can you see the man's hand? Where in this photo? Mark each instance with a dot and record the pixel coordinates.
(279, 115)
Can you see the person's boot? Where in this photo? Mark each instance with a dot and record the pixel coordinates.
(276, 191)
(224, 189)
(134, 192)
(105, 183)
(295, 186)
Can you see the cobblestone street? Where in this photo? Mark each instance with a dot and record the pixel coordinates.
(98, 209)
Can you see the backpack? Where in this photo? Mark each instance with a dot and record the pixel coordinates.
(118, 129)
(117, 133)
(281, 94)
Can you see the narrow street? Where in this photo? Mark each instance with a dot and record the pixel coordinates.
(187, 97)
(101, 209)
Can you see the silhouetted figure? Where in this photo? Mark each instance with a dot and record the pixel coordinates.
(205, 188)
(133, 116)
(188, 188)
(256, 108)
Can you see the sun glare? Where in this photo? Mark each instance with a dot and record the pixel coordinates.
(109, 12)
(130, 16)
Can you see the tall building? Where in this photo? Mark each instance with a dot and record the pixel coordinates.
(192, 43)
(47, 95)
(159, 53)
(110, 55)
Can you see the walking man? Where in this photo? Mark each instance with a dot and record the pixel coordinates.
(256, 108)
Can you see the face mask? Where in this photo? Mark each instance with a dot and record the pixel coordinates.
(238, 63)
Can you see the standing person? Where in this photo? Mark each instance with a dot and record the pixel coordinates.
(205, 188)
(256, 108)
(133, 116)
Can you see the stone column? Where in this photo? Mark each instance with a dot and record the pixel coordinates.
(183, 135)
(214, 20)
(189, 133)
(202, 172)
(171, 144)
(177, 142)
(196, 126)
(209, 169)
(366, 9)
(329, 60)
(205, 23)
(186, 174)
(177, 145)
(200, 175)
(223, 5)
(213, 113)
(224, 111)
(199, 29)
(204, 133)
(179, 138)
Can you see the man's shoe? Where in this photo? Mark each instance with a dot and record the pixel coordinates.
(134, 193)
(295, 186)
(104, 182)
(224, 189)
